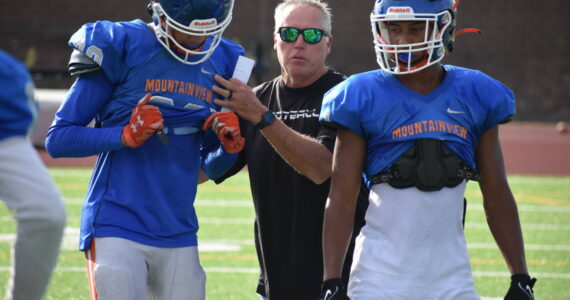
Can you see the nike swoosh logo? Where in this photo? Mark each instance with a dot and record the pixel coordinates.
(329, 294)
(526, 289)
(451, 111)
(206, 72)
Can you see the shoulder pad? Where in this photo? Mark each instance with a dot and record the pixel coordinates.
(80, 63)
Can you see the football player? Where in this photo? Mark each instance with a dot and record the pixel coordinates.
(419, 130)
(148, 88)
(26, 187)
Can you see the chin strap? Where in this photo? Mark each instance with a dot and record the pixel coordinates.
(467, 30)
(461, 32)
(171, 42)
(183, 51)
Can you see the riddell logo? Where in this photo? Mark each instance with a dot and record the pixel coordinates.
(400, 10)
(204, 23)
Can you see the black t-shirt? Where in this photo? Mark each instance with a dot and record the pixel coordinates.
(289, 207)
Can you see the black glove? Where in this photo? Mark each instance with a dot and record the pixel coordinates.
(333, 290)
(521, 288)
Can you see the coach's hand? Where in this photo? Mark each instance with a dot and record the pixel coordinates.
(333, 290)
(521, 288)
(239, 98)
(145, 121)
(226, 127)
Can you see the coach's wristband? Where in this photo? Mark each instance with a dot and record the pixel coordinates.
(266, 119)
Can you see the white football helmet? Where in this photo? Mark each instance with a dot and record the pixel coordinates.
(438, 15)
(192, 17)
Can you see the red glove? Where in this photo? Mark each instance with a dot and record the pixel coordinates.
(226, 127)
(145, 121)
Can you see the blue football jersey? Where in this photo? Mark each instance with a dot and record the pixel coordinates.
(390, 116)
(144, 194)
(18, 107)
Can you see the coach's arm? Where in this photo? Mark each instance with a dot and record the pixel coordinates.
(305, 154)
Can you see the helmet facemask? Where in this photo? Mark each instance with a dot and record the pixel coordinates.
(166, 25)
(411, 58)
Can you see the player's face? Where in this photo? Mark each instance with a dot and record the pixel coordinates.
(409, 33)
(299, 60)
(192, 41)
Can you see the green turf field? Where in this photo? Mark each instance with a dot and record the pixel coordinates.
(227, 251)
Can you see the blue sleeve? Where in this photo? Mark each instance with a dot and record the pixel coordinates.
(341, 107)
(18, 107)
(107, 44)
(69, 135)
(499, 101)
(215, 160)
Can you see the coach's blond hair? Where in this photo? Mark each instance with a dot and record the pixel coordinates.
(320, 5)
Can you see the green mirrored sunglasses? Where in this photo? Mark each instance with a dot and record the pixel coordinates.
(310, 35)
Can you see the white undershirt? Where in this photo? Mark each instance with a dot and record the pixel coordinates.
(412, 247)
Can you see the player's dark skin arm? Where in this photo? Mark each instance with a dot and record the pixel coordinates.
(499, 203)
(348, 161)
(202, 177)
(305, 154)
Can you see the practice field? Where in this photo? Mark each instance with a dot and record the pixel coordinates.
(227, 252)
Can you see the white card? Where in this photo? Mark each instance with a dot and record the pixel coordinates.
(242, 72)
(243, 69)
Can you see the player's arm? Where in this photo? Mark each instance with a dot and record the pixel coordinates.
(499, 203)
(502, 214)
(69, 134)
(202, 177)
(348, 160)
(305, 154)
(215, 160)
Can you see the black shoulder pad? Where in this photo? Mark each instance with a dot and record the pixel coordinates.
(80, 63)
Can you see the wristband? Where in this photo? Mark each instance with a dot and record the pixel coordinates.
(266, 119)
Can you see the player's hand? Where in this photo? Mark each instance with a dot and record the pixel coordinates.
(521, 288)
(145, 121)
(226, 127)
(333, 290)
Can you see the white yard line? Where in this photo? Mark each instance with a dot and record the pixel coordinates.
(508, 275)
(526, 226)
(237, 221)
(225, 203)
(536, 247)
(71, 239)
(527, 207)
